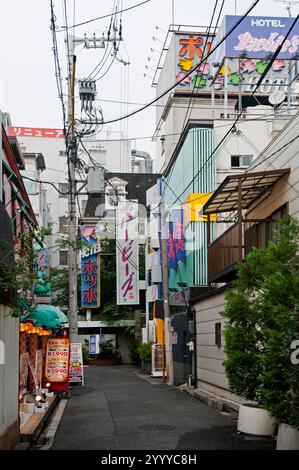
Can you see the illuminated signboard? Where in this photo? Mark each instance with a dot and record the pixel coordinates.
(259, 35)
(190, 48)
(90, 268)
(127, 249)
(57, 360)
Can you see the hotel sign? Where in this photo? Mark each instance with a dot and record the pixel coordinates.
(258, 36)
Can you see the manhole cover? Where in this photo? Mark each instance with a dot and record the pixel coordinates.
(154, 428)
(81, 390)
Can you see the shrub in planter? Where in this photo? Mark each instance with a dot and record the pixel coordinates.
(145, 354)
(280, 391)
(133, 352)
(108, 350)
(262, 311)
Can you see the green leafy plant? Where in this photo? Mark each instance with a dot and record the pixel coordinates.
(133, 352)
(18, 276)
(145, 352)
(108, 350)
(262, 311)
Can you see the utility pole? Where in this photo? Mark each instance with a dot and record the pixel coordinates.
(71, 43)
(167, 318)
(72, 222)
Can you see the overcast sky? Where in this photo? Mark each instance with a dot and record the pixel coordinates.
(27, 79)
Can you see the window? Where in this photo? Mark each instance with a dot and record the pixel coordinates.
(242, 161)
(63, 224)
(63, 261)
(64, 188)
(98, 155)
(83, 206)
(62, 153)
(218, 334)
(30, 186)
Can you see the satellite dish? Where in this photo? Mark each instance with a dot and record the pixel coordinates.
(277, 97)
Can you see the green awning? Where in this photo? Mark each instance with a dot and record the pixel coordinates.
(47, 316)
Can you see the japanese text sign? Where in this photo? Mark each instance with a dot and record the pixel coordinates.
(35, 132)
(90, 268)
(76, 363)
(57, 360)
(127, 249)
(258, 36)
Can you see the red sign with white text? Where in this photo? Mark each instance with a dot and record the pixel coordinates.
(57, 360)
(35, 132)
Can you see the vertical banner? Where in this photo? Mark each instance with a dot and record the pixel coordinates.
(178, 234)
(42, 287)
(127, 253)
(23, 374)
(157, 360)
(90, 268)
(175, 239)
(94, 347)
(57, 360)
(39, 363)
(76, 363)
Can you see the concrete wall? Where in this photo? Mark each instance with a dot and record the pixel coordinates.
(282, 152)
(9, 379)
(210, 370)
(124, 341)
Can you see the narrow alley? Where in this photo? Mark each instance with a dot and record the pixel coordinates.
(117, 410)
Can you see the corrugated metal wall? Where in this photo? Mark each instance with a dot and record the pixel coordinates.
(194, 161)
(9, 371)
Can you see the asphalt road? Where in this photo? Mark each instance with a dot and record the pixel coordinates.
(116, 410)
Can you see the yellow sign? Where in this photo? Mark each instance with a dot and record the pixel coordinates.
(193, 208)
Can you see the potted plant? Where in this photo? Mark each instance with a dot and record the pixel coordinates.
(133, 352)
(108, 355)
(245, 344)
(145, 354)
(262, 312)
(280, 391)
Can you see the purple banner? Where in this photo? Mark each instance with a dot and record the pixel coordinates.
(259, 36)
(90, 268)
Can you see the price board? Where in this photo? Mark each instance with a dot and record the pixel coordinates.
(158, 356)
(76, 363)
(57, 360)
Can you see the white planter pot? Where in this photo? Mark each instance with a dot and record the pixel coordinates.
(288, 438)
(255, 421)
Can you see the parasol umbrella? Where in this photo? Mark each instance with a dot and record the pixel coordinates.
(47, 316)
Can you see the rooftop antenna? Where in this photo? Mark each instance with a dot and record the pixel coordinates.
(288, 5)
(172, 12)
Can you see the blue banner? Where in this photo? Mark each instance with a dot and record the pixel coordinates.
(259, 36)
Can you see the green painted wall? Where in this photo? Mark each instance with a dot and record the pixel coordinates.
(193, 157)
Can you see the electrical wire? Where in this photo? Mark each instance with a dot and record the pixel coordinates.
(65, 28)
(274, 56)
(198, 73)
(106, 49)
(46, 182)
(165, 92)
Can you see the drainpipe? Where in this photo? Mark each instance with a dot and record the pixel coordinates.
(195, 348)
(146, 156)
